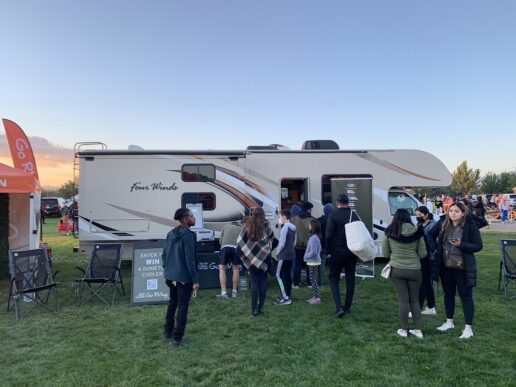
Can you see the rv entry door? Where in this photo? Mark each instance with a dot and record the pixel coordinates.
(293, 191)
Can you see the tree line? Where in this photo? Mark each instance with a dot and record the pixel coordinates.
(67, 190)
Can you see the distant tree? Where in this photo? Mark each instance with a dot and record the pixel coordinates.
(490, 183)
(50, 192)
(67, 190)
(464, 179)
(506, 182)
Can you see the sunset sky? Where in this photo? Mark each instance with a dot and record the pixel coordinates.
(223, 74)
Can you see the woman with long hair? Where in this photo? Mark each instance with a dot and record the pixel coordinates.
(405, 247)
(455, 240)
(254, 245)
(479, 208)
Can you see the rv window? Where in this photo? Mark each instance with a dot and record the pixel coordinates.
(206, 198)
(399, 200)
(198, 172)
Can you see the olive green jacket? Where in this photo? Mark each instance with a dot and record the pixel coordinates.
(407, 251)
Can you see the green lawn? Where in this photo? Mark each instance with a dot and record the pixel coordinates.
(299, 344)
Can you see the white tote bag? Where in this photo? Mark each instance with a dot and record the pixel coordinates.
(359, 240)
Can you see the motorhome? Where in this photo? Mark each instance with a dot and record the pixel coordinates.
(131, 195)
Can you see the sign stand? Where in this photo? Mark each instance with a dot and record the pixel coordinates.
(148, 284)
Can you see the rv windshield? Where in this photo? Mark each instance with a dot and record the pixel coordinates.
(399, 200)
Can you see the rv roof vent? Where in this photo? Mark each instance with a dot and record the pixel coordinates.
(320, 144)
(267, 147)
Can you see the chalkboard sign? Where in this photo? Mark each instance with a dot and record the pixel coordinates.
(148, 285)
(360, 194)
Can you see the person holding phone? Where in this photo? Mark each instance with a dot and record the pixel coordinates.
(455, 239)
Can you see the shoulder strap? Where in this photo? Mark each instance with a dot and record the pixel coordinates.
(351, 215)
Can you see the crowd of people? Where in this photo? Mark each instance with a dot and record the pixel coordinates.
(431, 250)
(479, 203)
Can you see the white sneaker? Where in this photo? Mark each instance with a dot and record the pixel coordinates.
(429, 311)
(234, 293)
(222, 295)
(466, 334)
(295, 286)
(401, 333)
(446, 326)
(413, 332)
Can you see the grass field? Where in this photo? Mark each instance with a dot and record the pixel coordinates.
(299, 344)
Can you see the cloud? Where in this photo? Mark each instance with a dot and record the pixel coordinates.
(47, 154)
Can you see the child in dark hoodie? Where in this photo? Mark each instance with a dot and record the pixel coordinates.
(180, 274)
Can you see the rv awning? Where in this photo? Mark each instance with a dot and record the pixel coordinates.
(14, 180)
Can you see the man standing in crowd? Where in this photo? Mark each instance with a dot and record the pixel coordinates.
(338, 254)
(228, 241)
(323, 220)
(180, 275)
(302, 224)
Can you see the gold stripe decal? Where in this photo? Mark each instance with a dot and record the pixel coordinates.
(395, 167)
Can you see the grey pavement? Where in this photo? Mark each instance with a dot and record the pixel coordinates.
(499, 227)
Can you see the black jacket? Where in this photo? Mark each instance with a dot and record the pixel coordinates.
(471, 243)
(324, 221)
(179, 256)
(335, 237)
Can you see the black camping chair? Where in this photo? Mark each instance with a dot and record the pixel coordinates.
(32, 282)
(507, 265)
(103, 272)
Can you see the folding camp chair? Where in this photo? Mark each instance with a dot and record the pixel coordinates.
(507, 265)
(32, 282)
(103, 272)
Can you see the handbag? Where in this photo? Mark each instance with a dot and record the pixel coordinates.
(454, 261)
(359, 240)
(386, 271)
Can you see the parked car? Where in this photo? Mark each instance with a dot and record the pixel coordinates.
(53, 206)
